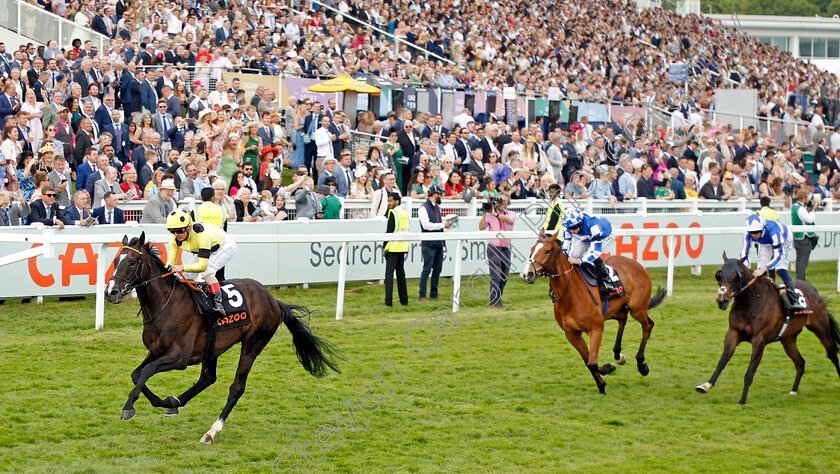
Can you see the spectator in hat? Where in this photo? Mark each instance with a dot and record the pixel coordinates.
(329, 203)
(431, 220)
(161, 204)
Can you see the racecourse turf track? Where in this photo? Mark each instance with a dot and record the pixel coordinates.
(504, 393)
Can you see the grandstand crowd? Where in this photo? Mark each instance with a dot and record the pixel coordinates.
(150, 118)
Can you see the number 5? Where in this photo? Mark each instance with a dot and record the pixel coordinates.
(234, 296)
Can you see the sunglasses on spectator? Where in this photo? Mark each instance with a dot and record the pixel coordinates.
(49, 195)
(178, 231)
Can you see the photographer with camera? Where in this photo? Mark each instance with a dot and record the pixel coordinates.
(495, 217)
(802, 213)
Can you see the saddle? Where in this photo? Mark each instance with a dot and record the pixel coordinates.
(236, 308)
(592, 277)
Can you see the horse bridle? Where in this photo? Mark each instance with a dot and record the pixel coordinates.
(731, 283)
(136, 275)
(555, 254)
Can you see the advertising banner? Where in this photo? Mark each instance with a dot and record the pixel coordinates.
(250, 82)
(73, 270)
(296, 86)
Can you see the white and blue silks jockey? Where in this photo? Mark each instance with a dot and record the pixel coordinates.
(585, 238)
(775, 242)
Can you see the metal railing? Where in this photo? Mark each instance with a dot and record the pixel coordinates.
(42, 26)
(360, 208)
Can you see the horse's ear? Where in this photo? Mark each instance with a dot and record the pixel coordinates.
(741, 261)
(724, 257)
(125, 240)
(542, 234)
(554, 236)
(142, 239)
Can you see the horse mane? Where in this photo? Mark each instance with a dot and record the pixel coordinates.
(153, 252)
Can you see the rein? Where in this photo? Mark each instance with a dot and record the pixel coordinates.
(134, 276)
(543, 272)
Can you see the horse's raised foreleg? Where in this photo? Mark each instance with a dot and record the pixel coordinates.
(730, 342)
(758, 351)
(250, 351)
(206, 379)
(135, 376)
(578, 343)
(171, 360)
(789, 343)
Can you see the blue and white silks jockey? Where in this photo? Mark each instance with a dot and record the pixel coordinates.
(775, 242)
(585, 238)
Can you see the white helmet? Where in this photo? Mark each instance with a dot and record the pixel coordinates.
(755, 223)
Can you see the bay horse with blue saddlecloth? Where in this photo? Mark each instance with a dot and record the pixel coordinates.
(176, 335)
(579, 306)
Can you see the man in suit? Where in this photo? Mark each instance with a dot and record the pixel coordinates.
(102, 116)
(119, 131)
(162, 121)
(77, 213)
(50, 115)
(46, 211)
(83, 77)
(106, 185)
(409, 141)
(109, 213)
(462, 148)
(84, 142)
(257, 97)
(310, 124)
(12, 213)
(60, 181)
(187, 188)
(102, 164)
(223, 33)
(177, 133)
(9, 102)
(266, 131)
(307, 203)
(39, 86)
(343, 175)
(821, 156)
(147, 170)
(87, 167)
(644, 186)
(148, 95)
(160, 205)
(713, 190)
(173, 105)
(98, 23)
(127, 92)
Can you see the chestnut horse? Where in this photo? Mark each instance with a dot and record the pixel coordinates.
(757, 316)
(176, 334)
(578, 306)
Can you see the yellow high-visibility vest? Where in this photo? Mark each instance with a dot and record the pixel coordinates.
(401, 227)
(558, 226)
(768, 213)
(212, 213)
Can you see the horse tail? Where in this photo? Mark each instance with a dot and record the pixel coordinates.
(657, 297)
(314, 353)
(835, 329)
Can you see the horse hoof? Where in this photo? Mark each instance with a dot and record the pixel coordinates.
(170, 412)
(206, 439)
(704, 388)
(128, 414)
(621, 359)
(644, 369)
(793, 392)
(606, 369)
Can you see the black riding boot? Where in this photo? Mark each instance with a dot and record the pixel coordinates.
(598, 263)
(788, 297)
(216, 310)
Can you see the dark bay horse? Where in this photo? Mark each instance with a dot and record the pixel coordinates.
(757, 316)
(578, 305)
(176, 334)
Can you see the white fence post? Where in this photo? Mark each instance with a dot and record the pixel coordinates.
(456, 277)
(342, 277)
(672, 242)
(101, 268)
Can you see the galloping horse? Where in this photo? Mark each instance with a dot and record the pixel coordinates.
(578, 307)
(757, 316)
(176, 334)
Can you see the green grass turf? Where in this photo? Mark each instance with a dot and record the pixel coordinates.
(504, 393)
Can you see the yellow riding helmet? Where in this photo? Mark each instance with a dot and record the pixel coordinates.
(178, 219)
